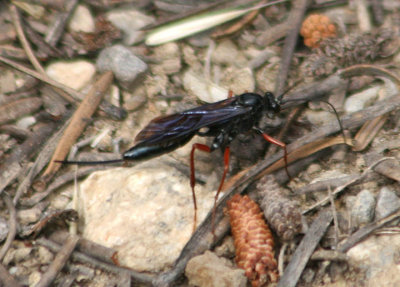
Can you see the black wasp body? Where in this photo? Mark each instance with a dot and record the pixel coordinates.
(223, 120)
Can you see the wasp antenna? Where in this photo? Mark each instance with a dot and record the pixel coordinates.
(280, 97)
(338, 119)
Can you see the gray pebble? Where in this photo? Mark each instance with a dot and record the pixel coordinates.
(123, 63)
(362, 211)
(387, 203)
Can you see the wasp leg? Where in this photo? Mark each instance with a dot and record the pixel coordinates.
(201, 147)
(280, 144)
(226, 168)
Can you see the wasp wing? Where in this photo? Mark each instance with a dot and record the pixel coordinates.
(176, 126)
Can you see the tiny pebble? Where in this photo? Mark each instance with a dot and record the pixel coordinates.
(387, 203)
(82, 20)
(362, 211)
(74, 74)
(125, 65)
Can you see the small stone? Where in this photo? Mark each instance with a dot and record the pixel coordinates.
(360, 100)
(75, 74)
(387, 203)
(3, 228)
(19, 271)
(44, 255)
(226, 53)
(387, 277)
(26, 216)
(168, 59)
(318, 118)
(134, 102)
(362, 211)
(26, 122)
(227, 248)
(203, 89)
(238, 81)
(21, 254)
(34, 278)
(313, 168)
(374, 254)
(208, 270)
(123, 63)
(82, 20)
(130, 21)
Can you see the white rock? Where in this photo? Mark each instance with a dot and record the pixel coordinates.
(374, 254)
(239, 81)
(208, 270)
(44, 255)
(76, 74)
(318, 118)
(360, 100)
(168, 59)
(26, 122)
(21, 254)
(226, 53)
(205, 90)
(34, 278)
(82, 20)
(31, 215)
(130, 21)
(145, 212)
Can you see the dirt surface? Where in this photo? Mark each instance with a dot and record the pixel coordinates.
(80, 79)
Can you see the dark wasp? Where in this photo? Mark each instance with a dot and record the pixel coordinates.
(223, 120)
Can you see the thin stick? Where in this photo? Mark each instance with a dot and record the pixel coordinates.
(366, 230)
(78, 122)
(305, 249)
(21, 35)
(72, 96)
(12, 223)
(6, 279)
(296, 17)
(347, 184)
(79, 256)
(59, 261)
(335, 217)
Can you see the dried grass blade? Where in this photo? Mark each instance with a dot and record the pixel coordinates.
(79, 121)
(195, 24)
(305, 151)
(368, 132)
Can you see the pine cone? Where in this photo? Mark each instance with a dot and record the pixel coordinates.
(253, 241)
(334, 54)
(282, 213)
(316, 28)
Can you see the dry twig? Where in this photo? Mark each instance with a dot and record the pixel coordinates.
(305, 249)
(12, 225)
(59, 261)
(79, 122)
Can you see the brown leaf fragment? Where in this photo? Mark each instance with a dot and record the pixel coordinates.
(13, 110)
(368, 132)
(78, 122)
(253, 241)
(105, 33)
(282, 213)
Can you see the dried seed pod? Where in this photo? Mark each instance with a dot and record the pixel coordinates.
(352, 49)
(282, 213)
(316, 28)
(253, 241)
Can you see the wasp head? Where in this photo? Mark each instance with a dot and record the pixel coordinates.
(271, 104)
